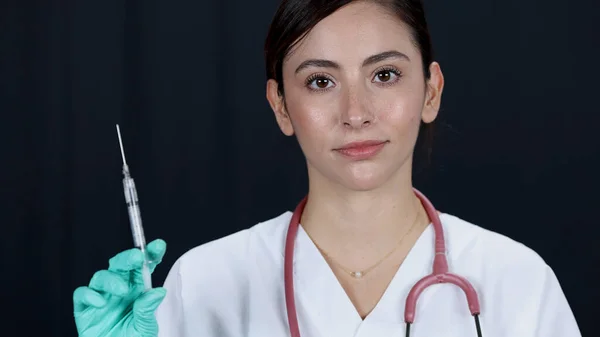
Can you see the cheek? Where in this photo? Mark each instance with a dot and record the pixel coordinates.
(401, 111)
(313, 116)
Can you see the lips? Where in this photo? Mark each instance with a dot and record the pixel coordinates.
(361, 150)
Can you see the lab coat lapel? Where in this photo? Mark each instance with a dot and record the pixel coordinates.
(323, 306)
(325, 309)
(416, 265)
(387, 318)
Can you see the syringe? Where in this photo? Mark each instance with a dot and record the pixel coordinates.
(135, 219)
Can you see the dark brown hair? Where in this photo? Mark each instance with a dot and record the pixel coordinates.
(295, 18)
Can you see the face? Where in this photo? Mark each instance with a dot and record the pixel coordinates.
(355, 95)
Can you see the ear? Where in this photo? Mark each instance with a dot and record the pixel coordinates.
(277, 103)
(433, 96)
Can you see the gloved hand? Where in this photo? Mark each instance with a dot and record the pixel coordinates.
(115, 304)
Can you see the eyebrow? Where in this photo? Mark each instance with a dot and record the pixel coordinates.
(319, 63)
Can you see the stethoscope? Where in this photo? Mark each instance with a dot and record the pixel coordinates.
(440, 272)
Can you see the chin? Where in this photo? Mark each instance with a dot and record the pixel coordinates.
(358, 176)
(363, 180)
(362, 185)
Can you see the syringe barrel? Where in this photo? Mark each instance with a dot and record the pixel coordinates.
(135, 218)
(137, 230)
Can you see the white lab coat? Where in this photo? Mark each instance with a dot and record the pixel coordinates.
(233, 287)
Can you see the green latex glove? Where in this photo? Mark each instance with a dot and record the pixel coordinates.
(115, 303)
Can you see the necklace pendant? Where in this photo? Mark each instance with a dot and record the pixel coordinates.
(356, 274)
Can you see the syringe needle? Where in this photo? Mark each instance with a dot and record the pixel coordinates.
(121, 145)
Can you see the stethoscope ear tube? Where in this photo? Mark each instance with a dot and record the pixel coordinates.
(477, 325)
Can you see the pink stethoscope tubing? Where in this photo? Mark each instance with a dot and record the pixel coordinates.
(440, 272)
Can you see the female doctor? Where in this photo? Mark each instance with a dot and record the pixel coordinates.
(355, 82)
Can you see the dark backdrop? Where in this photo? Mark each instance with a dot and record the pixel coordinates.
(518, 151)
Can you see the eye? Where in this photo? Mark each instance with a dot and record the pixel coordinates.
(322, 82)
(387, 75)
(318, 82)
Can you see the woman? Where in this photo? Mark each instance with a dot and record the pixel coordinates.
(355, 82)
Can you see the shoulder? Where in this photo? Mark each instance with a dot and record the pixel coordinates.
(506, 270)
(466, 240)
(512, 279)
(224, 263)
(497, 263)
(213, 280)
(503, 266)
(236, 248)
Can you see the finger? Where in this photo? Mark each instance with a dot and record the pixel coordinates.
(126, 261)
(105, 281)
(156, 250)
(144, 307)
(84, 297)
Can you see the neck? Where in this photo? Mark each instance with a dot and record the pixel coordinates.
(361, 223)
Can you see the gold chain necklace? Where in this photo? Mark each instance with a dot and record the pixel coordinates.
(359, 274)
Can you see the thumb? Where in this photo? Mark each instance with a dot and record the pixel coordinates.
(144, 307)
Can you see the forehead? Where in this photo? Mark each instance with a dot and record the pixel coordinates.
(353, 33)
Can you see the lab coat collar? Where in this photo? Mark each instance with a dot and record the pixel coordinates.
(323, 304)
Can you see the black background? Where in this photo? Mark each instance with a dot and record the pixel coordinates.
(517, 150)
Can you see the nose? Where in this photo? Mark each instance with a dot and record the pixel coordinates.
(357, 112)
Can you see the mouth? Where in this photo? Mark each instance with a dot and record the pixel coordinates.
(361, 150)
